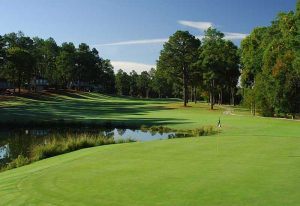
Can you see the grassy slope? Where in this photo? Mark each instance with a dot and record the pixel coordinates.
(254, 161)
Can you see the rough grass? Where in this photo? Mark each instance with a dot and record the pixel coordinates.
(196, 132)
(18, 162)
(57, 145)
(252, 161)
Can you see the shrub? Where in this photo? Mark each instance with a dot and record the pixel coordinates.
(57, 146)
(179, 133)
(18, 162)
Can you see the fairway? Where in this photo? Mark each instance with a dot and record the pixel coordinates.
(252, 161)
(150, 103)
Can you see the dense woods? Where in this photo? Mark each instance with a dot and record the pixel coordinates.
(31, 62)
(270, 58)
(264, 71)
(211, 67)
(35, 63)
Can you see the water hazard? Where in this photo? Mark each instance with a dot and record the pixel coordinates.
(20, 141)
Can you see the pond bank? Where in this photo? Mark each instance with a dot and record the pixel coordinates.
(24, 145)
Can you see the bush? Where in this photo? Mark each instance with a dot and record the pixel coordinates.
(18, 162)
(57, 146)
(179, 133)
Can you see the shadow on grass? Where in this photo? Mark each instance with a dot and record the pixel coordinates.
(96, 109)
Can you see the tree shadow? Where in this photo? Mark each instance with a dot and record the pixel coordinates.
(89, 111)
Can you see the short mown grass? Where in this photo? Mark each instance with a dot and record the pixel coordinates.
(253, 161)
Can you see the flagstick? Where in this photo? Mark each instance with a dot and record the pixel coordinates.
(218, 141)
(219, 126)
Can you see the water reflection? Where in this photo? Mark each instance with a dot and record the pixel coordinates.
(21, 141)
(4, 151)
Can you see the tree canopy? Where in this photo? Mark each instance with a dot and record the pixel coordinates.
(177, 56)
(270, 66)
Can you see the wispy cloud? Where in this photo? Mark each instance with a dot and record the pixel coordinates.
(129, 66)
(235, 36)
(201, 25)
(133, 42)
(199, 37)
(230, 36)
(194, 24)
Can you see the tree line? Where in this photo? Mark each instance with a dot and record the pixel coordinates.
(264, 71)
(187, 68)
(210, 66)
(270, 59)
(23, 59)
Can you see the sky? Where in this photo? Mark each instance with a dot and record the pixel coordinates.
(131, 33)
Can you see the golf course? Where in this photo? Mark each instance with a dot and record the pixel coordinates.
(150, 103)
(250, 161)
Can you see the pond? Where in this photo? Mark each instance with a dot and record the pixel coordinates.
(20, 141)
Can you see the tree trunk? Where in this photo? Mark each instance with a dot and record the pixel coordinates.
(221, 96)
(185, 89)
(254, 108)
(34, 85)
(211, 100)
(192, 94)
(211, 94)
(147, 93)
(19, 83)
(195, 92)
(232, 96)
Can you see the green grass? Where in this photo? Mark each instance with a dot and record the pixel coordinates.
(89, 108)
(252, 161)
(57, 145)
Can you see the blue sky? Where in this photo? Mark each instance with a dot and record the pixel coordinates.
(131, 32)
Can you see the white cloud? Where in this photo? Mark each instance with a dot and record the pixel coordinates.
(201, 25)
(199, 37)
(129, 66)
(205, 25)
(235, 36)
(230, 36)
(194, 24)
(133, 42)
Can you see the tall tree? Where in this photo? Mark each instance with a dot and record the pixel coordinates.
(212, 61)
(133, 83)
(65, 70)
(2, 54)
(252, 51)
(177, 56)
(144, 84)
(45, 54)
(122, 83)
(20, 60)
(108, 77)
(270, 59)
(20, 64)
(160, 83)
(232, 72)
